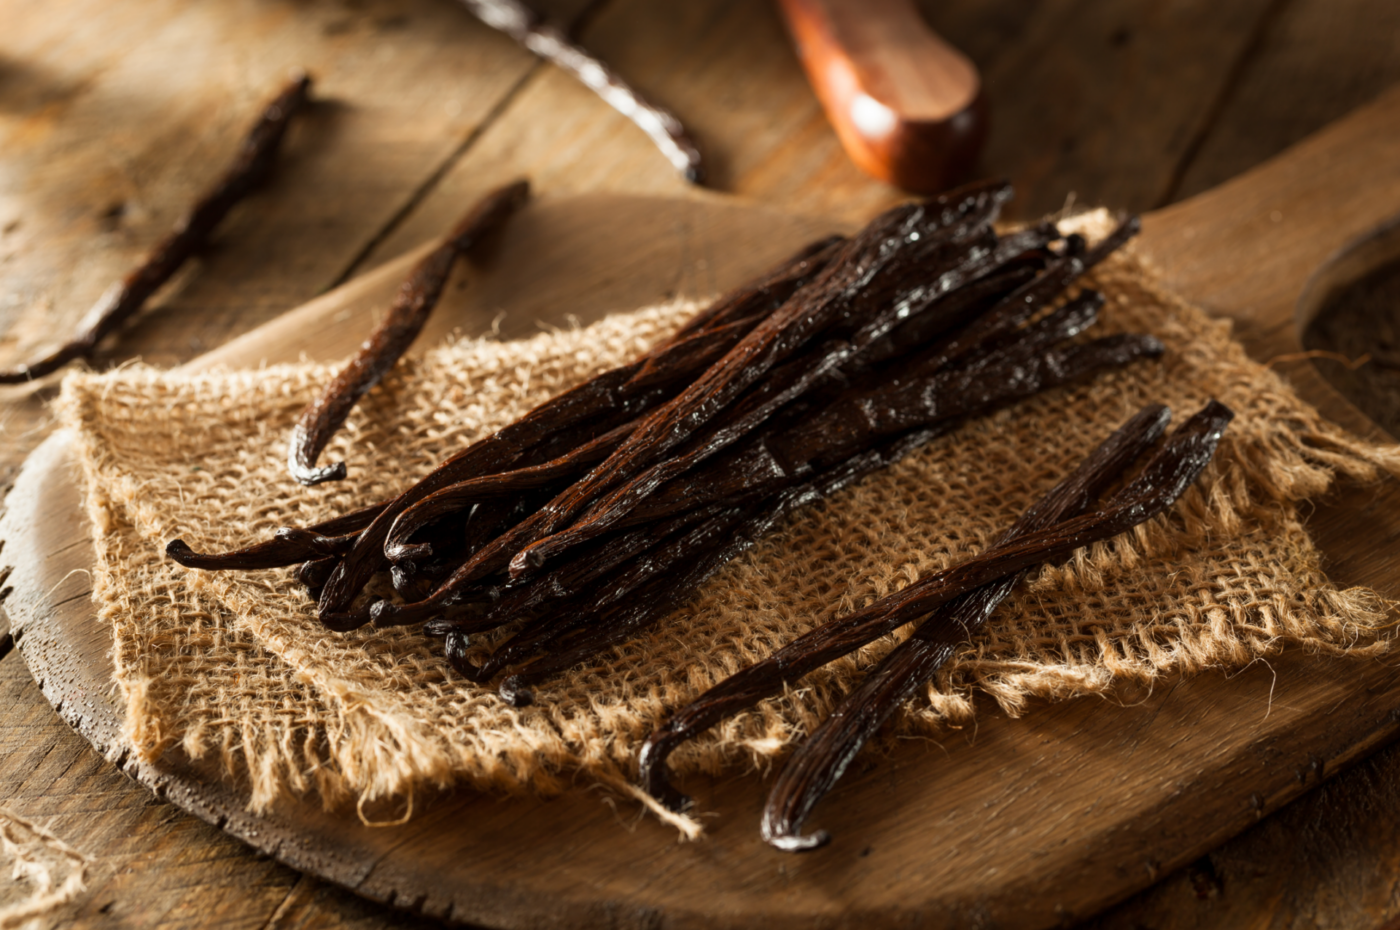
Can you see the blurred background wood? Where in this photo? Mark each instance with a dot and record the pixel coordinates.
(113, 116)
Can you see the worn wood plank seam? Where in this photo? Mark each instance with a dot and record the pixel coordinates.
(1250, 51)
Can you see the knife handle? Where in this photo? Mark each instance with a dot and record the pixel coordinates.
(907, 106)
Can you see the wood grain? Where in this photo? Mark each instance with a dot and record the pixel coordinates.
(104, 151)
(1085, 86)
(1100, 798)
(1290, 85)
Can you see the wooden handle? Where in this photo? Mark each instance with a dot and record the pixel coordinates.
(1262, 248)
(906, 105)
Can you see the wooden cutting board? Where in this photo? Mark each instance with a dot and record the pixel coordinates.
(1022, 823)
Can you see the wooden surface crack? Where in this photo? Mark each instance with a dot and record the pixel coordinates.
(431, 182)
(1251, 50)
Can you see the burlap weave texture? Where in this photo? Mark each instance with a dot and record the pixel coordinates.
(235, 664)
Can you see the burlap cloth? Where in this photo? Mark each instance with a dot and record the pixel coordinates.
(236, 665)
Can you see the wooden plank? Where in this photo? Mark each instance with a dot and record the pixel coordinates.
(1294, 83)
(1100, 101)
(112, 120)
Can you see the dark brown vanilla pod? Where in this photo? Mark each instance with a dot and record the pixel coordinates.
(756, 471)
(288, 545)
(1000, 322)
(638, 469)
(411, 308)
(314, 572)
(765, 293)
(458, 497)
(776, 458)
(858, 418)
(1024, 367)
(821, 760)
(818, 302)
(659, 596)
(250, 168)
(606, 397)
(1160, 483)
(577, 629)
(907, 405)
(656, 590)
(580, 586)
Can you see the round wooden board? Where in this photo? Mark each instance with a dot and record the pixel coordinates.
(1024, 823)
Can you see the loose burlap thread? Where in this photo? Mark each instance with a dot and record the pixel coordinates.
(236, 666)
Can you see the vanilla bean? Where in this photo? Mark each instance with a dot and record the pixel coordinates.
(657, 592)
(663, 572)
(823, 757)
(604, 399)
(250, 168)
(638, 467)
(1164, 478)
(903, 407)
(819, 438)
(288, 546)
(464, 494)
(663, 595)
(580, 586)
(411, 308)
(1021, 373)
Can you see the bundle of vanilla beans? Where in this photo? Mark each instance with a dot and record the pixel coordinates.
(597, 513)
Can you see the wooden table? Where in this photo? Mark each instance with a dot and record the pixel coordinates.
(113, 116)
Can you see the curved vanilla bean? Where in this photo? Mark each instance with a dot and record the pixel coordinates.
(606, 397)
(249, 169)
(1161, 482)
(528, 28)
(822, 758)
(392, 337)
(457, 497)
(314, 572)
(288, 545)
